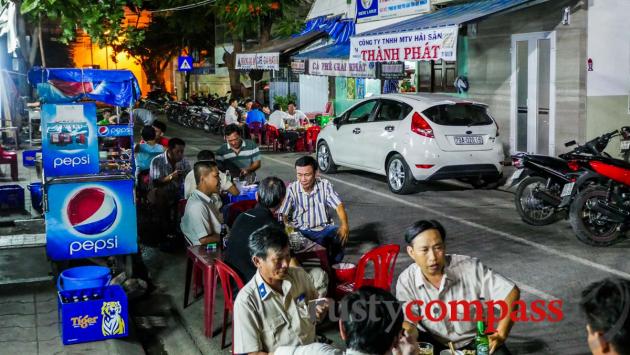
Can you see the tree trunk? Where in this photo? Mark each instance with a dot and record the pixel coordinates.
(230, 61)
(153, 69)
(265, 29)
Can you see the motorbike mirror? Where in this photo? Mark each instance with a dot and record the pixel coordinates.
(570, 143)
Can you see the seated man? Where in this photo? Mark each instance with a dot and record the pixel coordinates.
(240, 156)
(255, 115)
(605, 304)
(307, 203)
(383, 334)
(270, 194)
(435, 275)
(296, 118)
(225, 184)
(201, 223)
(167, 173)
(271, 310)
(278, 120)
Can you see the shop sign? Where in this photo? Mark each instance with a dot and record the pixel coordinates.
(341, 67)
(372, 10)
(260, 61)
(298, 66)
(429, 44)
(391, 70)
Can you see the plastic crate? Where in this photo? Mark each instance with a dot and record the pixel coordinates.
(11, 197)
(93, 314)
(28, 157)
(245, 195)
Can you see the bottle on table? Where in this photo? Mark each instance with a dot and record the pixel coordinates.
(482, 344)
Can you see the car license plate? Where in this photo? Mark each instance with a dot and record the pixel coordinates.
(625, 145)
(468, 140)
(516, 175)
(567, 189)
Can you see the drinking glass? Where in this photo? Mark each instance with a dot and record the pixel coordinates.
(425, 348)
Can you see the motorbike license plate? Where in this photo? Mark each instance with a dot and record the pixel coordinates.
(625, 145)
(516, 175)
(468, 140)
(567, 189)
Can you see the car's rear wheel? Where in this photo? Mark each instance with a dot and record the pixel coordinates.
(399, 178)
(325, 159)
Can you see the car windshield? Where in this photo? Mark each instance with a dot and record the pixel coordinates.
(458, 115)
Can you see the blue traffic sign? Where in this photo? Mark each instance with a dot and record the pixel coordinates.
(184, 63)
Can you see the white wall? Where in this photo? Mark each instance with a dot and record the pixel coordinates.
(331, 7)
(313, 93)
(609, 47)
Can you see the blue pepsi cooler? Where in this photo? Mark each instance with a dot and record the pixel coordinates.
(82, 277)
(93, 314)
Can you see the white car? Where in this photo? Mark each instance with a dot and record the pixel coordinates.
(414, 137)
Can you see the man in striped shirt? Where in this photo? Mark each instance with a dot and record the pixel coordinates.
(307, 204)
(240, 157)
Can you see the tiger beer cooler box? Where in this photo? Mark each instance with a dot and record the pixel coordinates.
(90, 218)
(103, 315)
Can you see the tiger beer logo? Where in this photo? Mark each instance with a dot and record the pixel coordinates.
(83, 321)
(113, 323)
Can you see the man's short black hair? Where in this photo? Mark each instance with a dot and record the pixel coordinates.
(200, 167)
(160, 125)
(231, 128)
(291, 103)
(205, 155)
(271, 192)
(421, 226)
(248, 101)
(268, 237)
(371, 336)
(276, 107)
(173, 142)
(148, 133)
(307, 160)
(606, 304)
(232, 100)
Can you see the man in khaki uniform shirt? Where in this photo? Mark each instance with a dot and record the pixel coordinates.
(272, 308)
(436, 275)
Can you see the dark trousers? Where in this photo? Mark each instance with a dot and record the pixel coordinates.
(327, 238)
(437, 346)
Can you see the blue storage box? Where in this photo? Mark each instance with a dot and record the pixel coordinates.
(93, 314)
(11, 197)
(245, 195)
(28, 157)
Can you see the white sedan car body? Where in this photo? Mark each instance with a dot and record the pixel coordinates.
(414, 137)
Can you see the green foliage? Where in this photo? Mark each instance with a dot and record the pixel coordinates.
(101, 20)
(283, 101)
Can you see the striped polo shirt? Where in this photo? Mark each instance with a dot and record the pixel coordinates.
(310, 210)
(248, 154)
(160, 168)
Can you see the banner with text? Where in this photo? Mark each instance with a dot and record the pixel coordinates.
(260, 61)
(429, 44)
(341, 67)
(372, 10)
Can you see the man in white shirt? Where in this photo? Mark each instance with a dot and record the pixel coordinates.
(225, 184)
(231, 116)
(201, 223)
(295, 118)
(437, 276)
(277, 118)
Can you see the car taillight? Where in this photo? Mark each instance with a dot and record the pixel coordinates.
(517, 163)
(573, 165)
(420, 126)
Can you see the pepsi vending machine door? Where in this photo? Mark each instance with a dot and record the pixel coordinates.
(90, 219)
(69, 139)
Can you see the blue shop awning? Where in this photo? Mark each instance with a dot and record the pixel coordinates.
(454, 15)
(333, 51)
(339, 29)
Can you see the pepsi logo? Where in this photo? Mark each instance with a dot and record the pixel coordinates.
(103, 130)
(92, 211)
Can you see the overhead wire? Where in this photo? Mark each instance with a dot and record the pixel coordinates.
(184, 7)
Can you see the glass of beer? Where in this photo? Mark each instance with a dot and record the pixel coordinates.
(425, 348)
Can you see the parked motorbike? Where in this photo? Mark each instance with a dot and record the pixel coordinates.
(600, 212)
(540, 179)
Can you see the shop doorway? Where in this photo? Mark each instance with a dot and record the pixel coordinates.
(532, 118)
